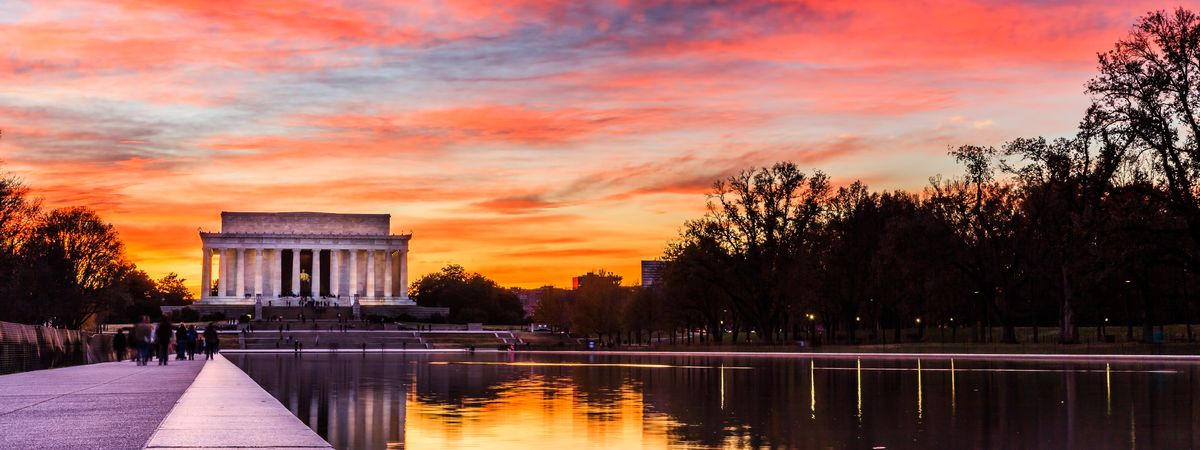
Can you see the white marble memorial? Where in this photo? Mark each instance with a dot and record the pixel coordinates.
(281, 258)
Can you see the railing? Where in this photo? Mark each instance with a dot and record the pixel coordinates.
(29, 347)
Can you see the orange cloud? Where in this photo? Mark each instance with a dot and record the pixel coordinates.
(516, 205)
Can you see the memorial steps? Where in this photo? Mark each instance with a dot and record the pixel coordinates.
(291, 313)
(325, 338)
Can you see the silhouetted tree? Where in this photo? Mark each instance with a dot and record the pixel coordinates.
(555, 308)
(77, 265)
(599, 304)
(1147, 94)
(764, 221)
(471, 297)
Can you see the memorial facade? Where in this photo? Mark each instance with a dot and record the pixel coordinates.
(283, 258)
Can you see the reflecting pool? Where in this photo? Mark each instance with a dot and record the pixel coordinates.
(551, 401)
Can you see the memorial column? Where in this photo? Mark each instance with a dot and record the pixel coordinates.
(206, 274)
(241, 271)
(258, 272)
(387, 273)
(353, 290)
(316, 273)
(295, 272)
(276, 271)
(223, 282)
(370, 272)
(404, 274)
(335, 275)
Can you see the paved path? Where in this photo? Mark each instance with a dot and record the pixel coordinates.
(101, 406)
(224, 408)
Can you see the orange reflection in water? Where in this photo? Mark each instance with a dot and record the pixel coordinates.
(536, 413)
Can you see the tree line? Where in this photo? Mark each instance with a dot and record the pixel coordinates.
(1096, 229)
(471, 297)
(67, 267)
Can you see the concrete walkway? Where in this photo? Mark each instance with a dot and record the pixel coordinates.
(224, 408)
(100, 406)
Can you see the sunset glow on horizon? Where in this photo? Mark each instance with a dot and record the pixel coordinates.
(528, 141)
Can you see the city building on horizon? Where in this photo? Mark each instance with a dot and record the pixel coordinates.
(577, 282)
(530, 298)
(652, 271)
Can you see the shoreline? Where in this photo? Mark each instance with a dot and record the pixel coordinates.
(764, 354)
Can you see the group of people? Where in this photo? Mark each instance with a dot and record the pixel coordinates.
(147, 338)
(307, 302)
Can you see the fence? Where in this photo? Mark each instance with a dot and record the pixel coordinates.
(29, 347)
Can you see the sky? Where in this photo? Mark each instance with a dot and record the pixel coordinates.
(530, 141)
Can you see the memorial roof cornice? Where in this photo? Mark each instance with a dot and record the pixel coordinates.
(305, 235)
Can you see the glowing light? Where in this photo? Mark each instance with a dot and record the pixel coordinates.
(1108, 388)
(722, 387)
(920, 399)
(812, 388)
(1132, 427)
(953, 396)
(858, 379)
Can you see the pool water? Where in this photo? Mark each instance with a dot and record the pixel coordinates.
(578, 401)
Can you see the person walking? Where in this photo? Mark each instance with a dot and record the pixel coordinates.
(119, 344)
(181, 343)
(211, 341)
(143, 335)
(162, 340)
(192, 337)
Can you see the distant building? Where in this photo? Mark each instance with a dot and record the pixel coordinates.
(602, 276)
(652, 272)
(530, 298)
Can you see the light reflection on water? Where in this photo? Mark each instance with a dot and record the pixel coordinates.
(610, 401)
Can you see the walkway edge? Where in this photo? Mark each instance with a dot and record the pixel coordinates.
(225, 408)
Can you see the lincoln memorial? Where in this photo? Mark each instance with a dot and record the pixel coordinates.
(280, 258)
